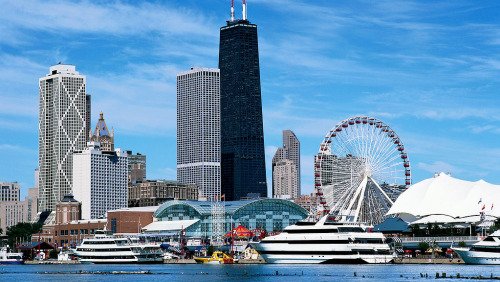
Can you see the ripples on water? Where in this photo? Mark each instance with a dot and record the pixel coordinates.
(264, 272)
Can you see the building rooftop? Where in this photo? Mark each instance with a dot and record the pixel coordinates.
(138, 209)
(164, 226)
(101, 129)
(69, 198)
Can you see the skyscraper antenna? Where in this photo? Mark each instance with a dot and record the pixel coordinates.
(244, 10)
(232, 10)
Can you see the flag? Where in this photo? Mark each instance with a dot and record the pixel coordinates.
(216, 197)
(480, 200)
(484, 206)
(223, 196)
(491, 206)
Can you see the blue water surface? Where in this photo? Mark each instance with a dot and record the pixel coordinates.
(242, 272)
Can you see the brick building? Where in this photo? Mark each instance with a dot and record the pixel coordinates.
(130, 220)
(70, 234)
(156, 192)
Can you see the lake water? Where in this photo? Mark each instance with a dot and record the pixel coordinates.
(262, 272)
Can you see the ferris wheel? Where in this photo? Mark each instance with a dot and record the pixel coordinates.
(361, 168)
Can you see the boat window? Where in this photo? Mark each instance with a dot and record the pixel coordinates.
(350, 229)
(305, 223)
(306, 231)
(99, 242)
(489, 239)
(368, 241)
(486, 249)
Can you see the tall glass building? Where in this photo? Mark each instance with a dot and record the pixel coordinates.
(266, 214)
(242, 134)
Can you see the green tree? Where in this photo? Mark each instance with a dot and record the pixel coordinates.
(462, 244)
(417, 232)
(22, 231)
(210, 250)
(496, 226)
(436, 230)
(423, 246)
(53, 254)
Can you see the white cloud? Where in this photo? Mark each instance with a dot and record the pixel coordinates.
(111, 17)
(486, 128)
(17, 148)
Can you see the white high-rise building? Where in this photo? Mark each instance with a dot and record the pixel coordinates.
(9, 192)
(291, 152)
(198, 130)
(100, 180)
(12, 210)
(62, 131)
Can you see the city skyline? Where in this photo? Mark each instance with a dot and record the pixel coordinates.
(429, 70)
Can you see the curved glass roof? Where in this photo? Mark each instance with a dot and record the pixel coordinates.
(205, 208)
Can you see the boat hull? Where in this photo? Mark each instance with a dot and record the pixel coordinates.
(332, 259)
(478, 257)
(109, 261)
(319, 252)
(12, 262)
(216, 258)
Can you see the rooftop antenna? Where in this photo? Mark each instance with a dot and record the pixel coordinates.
(232, 10)
(244, 10)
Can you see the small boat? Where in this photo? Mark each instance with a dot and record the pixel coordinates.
(486, 251)
(216, 258)
(10, 258)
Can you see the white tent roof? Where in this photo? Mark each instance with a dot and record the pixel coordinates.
(448, 197)
(165, 226)
(434, 219)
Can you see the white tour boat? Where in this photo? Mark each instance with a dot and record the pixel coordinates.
(486, 251)
(325, 242)
(111, 249)
(10, 258)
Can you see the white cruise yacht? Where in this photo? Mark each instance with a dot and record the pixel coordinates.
(486, 251)
(110, 249)
(325, 242)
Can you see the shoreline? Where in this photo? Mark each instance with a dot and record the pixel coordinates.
(261, 261)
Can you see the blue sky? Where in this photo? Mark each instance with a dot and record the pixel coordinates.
(429, 69)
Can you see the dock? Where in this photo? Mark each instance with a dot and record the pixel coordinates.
(428, 261)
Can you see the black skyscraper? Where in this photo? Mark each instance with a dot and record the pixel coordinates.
(242, 136)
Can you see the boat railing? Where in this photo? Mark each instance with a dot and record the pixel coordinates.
(441, 239)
